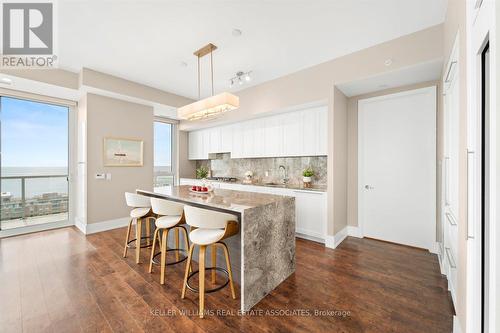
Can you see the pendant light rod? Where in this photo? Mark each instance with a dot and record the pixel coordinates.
(212, 70)
(207, 49)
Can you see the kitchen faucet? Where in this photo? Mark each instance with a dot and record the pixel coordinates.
(285, 172)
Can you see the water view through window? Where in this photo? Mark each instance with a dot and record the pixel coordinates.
(163, 170)
(34, 163)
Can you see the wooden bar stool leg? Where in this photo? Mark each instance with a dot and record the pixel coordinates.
(148, 231)
(186, 243)
(203, 249)
(138, 236)
(155, 237)
(176, 238)
(228, 264)
(214, 261)
(188, 269)
(164, 240)
(126, 239)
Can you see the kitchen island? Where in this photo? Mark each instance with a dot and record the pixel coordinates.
(266, 242)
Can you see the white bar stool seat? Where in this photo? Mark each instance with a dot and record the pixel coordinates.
(167, 221)
(206, 236)
(170, 216)
(139, 212)
(208, 228)
(141, 209)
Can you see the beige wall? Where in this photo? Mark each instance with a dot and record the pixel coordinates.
(352, 145)
(112, 117)
(456, 22)
(340, 172)
(58, 77)
(187, 168)
(110, 83)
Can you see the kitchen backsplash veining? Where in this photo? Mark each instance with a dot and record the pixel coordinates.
(228, 167)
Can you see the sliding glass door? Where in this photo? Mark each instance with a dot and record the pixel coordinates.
(33, 164)
(164, 148)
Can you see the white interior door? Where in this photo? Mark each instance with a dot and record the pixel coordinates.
(397, 167)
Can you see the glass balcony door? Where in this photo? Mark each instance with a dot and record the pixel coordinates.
(34, 163)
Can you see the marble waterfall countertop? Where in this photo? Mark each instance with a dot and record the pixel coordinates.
(220, 199)
(266, 240)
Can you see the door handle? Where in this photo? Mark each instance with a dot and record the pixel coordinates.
(368, 187)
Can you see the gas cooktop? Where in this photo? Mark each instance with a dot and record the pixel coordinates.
(223, 179)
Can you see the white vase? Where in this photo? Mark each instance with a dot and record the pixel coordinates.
(307, 179)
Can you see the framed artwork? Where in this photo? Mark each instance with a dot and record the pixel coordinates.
(123, 152)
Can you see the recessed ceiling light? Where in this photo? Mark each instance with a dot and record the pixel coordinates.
(388, 62)
(236, 32)
(6, 80)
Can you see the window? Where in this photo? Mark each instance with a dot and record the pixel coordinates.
(164, 161)
(34, 163)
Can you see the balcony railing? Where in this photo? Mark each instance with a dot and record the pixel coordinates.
(33, 196)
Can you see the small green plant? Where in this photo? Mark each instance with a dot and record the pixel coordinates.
(308, 172)
(202, 172)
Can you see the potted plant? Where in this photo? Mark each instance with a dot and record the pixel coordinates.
(307, 176)
(202, 172)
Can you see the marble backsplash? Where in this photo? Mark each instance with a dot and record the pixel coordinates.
(227, 167)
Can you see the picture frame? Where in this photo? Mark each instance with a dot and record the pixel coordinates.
(123, 152)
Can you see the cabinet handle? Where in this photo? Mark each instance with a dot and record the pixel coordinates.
(470, 154)
(451, 219)
(450, 258)
(446, 181)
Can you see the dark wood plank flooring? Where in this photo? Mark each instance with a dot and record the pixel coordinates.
(62, 281)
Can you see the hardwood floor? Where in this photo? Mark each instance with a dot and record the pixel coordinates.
(62, 281)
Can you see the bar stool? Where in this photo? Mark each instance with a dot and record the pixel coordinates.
(170, 216)
(208, 228)
(141, 210)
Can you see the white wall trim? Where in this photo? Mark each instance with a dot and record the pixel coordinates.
(354, 231)
(81, 225)
(92, 228)
(456, 325)
(333, 241)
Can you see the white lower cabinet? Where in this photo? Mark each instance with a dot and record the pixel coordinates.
(310, 214)
(310, 206)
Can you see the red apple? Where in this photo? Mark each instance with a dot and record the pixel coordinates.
(205, 189)
(193, 188)
(198, 188)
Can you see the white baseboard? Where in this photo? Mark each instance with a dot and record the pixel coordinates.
(435, 248)
(354, 231)
(456, 325)
(309, 237)
(92, 228)
(333, 241)
(81, 225)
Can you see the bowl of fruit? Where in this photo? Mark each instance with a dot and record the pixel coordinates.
(201, 189)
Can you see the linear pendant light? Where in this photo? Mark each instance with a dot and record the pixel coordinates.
(211, 106)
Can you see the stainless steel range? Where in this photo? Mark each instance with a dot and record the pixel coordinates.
(223, 179)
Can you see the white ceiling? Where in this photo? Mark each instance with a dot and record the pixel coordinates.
(146, 41)
(429, 71)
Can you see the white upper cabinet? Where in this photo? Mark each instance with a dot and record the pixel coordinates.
(214, 135)
(226, 139)
(273, 133)
(323, 131)
(297, 133)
